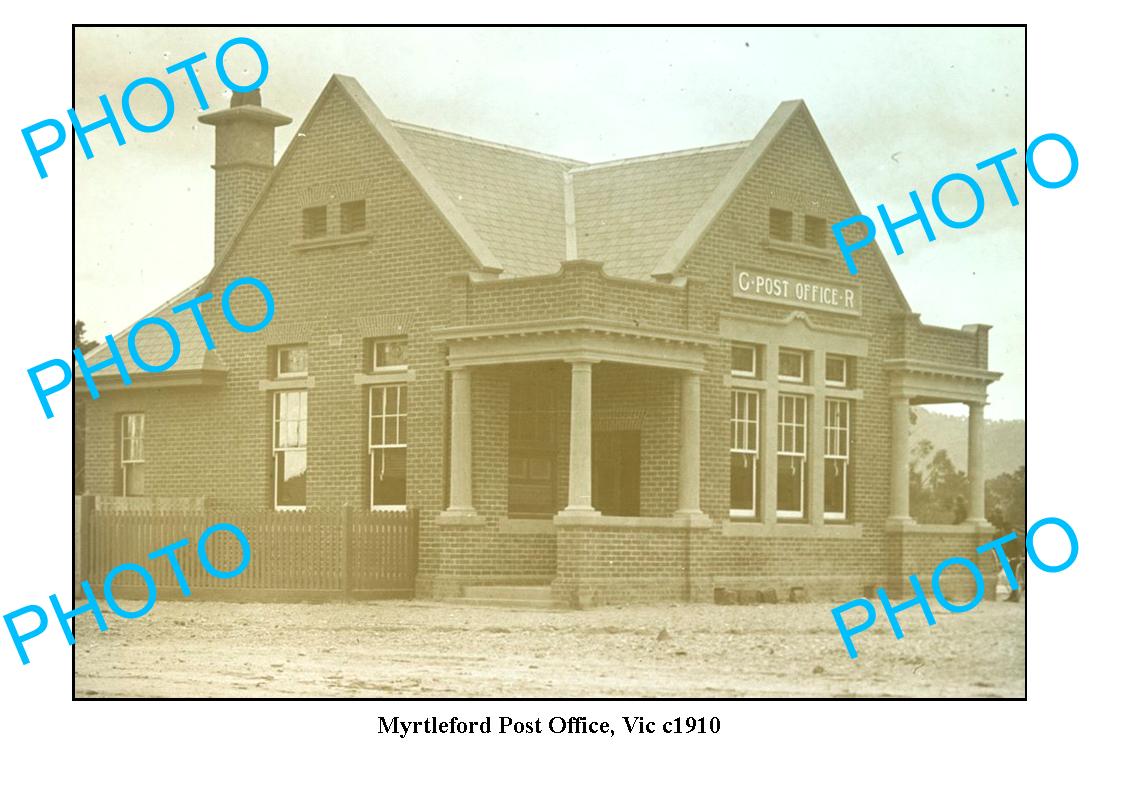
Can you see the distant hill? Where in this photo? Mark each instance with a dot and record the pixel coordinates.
(1004, 441)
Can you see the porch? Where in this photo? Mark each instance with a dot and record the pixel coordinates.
(574, 463)
(915, 547)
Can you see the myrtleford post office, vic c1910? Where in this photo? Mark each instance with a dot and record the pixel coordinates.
(646, 380)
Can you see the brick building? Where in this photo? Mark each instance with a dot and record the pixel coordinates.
(639, 380)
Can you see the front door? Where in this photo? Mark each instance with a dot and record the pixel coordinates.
(616, 473)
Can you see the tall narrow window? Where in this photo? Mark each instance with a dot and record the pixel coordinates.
(791, 456)
(743, 449)
(388, 412)
(132, 455)
(290, 450)
(836, 459)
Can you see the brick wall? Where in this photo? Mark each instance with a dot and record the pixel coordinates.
(606, 564)
(796, 174)
(216, 442)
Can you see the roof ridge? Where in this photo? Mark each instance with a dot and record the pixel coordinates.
(493, 144)
(677, 153)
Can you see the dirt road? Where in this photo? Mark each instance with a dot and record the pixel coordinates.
(418, 649)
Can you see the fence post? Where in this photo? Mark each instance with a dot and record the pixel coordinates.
(84, 544)
(414, 544)
(346, 551)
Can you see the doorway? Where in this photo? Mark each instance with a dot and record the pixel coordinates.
(616, 472)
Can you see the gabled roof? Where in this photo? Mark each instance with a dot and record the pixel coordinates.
(629, 212)
(512, 197)
(521, 213)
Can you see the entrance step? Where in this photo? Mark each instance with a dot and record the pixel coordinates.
(508, 596)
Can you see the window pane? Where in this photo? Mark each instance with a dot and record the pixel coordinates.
(789, 484)
(388, 477)
(834, 486)
(134, 480)
(391, 404)
(744, 359)
(389, 353)
(836, 370)
(291, 477)
(292, 360)
(791, 364)
(742, 481)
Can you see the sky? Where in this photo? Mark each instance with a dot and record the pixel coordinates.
(898, 107)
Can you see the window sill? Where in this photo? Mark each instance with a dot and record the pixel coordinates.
(733, 380)
(790, 530)
(305, 383)
(332, 241)
(290, 509)
(800, 249)
(387, 377)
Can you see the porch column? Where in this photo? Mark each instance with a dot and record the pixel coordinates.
(581, 438)
(690, 442)
(899, 474)
(977, 500)
(460, 444)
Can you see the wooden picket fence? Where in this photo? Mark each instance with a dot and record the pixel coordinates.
(293, 555)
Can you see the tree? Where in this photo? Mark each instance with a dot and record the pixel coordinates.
(937, 490)
(83, 345)
(1006, 501)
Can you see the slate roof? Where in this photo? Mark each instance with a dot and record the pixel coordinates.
(154, 346)
(513, 198)
(627, 212)
(521, 213)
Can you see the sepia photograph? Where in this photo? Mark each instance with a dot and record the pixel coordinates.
(542, 363)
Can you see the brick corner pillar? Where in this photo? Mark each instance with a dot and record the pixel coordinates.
(580, 441)
(899, 464)
(976, 508)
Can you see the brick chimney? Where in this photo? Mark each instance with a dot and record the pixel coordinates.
(243, 160)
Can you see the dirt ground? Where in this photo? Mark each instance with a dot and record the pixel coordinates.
(418, 649)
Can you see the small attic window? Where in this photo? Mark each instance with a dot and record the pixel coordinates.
(315, 222)
(815, 231)
(779, 224)
(352, 216)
